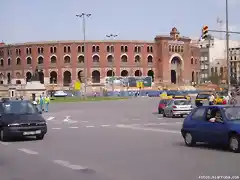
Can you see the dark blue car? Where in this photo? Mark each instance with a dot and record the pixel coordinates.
(213, 125)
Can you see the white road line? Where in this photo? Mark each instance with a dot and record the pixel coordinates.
(135, 119)
(56, 128)
(50, 118)
(84, 121)
(89, 126)
(68, 165)
(72, 122)
(27, 151)
(150, 124)
(73, 127)
(5, 143)
(135, 124)
(148, 129)
(66, 119)
(106, 125)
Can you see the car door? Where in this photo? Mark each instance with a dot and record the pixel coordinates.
(215, 132)
(195, 124)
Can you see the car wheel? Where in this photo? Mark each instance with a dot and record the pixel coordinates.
(234, 144)
(171, 114)
(40, 137)
(181, 116)
(189, 141)
(2, 136)
(164, 115)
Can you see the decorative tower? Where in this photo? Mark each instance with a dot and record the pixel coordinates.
(174, 34)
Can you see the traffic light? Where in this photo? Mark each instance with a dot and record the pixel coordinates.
(204, 32)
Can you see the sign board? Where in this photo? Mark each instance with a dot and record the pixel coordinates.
(77, 85)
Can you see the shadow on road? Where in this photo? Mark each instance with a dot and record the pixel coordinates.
(204, 146)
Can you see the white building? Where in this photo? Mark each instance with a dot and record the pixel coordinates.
(234, 56)
(213, 56)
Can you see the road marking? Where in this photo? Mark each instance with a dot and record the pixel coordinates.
(135, 119)
(150, 124)
(162, 124)
(56, 128)
(159, 118)
(50, 118)
(89, 126)
(27, 151)
(68, 165)
(5, 143)
(84, 121)
(66, 119)
(135, 124)
(72, 122)
(106, 125)
(148, 129)
(73, 127)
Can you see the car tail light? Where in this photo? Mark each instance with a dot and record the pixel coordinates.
(174, 107)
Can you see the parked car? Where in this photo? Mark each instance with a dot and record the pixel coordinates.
(21, 119)
(60, 94)
(213, 125)
(162, 104)
(178, 107)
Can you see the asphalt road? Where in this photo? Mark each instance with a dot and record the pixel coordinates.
(112, 140)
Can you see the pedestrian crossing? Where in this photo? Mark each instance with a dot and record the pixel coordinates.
(67, 122)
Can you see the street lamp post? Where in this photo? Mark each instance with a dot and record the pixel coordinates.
(111, 37)
(227, 49)
(83, 16)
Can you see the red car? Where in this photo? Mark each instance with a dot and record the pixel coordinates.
(162, 104)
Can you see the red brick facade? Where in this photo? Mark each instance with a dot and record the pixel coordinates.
(62, 61)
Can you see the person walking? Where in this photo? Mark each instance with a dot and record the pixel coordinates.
(41, 102)
(47, 101)
(211, 99)
(233, 100)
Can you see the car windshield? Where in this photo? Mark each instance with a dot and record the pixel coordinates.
(232, 113)
(19, 107)
(203, 96)
(182, 102)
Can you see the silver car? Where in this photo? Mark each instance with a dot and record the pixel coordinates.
(178, 107)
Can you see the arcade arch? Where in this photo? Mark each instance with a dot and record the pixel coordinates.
(176, 69)
(53, 77)
(28, 77)
(124, 73)
(96, 76)
(110, 73)
(138, 73)
(151, 73)
(67, 78)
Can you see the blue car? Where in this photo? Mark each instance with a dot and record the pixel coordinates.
(215, 124)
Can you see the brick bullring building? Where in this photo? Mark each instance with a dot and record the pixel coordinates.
(169, 59)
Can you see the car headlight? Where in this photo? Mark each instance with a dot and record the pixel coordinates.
(13, 124)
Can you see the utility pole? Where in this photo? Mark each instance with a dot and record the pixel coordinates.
(111, 37)
(227, 49)
(83, 16)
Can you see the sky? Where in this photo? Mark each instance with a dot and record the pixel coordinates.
(44, 20)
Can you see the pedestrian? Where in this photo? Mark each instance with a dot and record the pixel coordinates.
(211, 99)
(233, 100)
(41, 103)
(47, 101)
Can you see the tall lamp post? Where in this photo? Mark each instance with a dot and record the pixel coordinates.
(111, 37)
(83, 16)
(227, 49)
